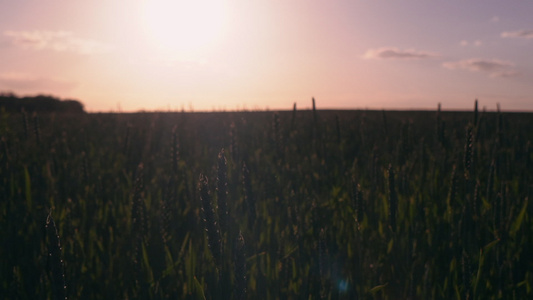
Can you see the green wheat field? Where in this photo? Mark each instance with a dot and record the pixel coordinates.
(301, 204)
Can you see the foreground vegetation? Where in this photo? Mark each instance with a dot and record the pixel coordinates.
(300, 205)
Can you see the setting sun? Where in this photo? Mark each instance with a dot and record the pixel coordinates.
(183, 27)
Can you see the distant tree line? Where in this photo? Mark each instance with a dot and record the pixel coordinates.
(40, 103)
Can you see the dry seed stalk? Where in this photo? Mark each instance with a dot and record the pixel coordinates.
(211, 226)
(475, 113)
(248, 193)
(138, 220)
(357, 200)
(453, 191)
(175, 150)
(338, 128)
(490, 181)
(54, 252)
(138, 209)
(37, 128)
(85, 167)
(466, 271)
(240, 267)
(393, 200)
(222, 192)
(468, 153)
(314, 114)
(293, 119)
(233, 146)
(126, 145)
(5, 150)
(385, 127)
(323, 263)
(165, 212)
(25, 123)
(276, 134)
(438, 124)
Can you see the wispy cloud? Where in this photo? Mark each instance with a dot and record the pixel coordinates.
(27, 82)
(476, 43)
(492, 67)
(395, 53)
(495, 19)
(61, 41)
(524, 33)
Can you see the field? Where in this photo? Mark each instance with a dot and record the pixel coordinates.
(267, 205)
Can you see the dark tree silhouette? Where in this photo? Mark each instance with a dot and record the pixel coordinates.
(40, 103)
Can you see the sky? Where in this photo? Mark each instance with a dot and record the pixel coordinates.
(132, 55)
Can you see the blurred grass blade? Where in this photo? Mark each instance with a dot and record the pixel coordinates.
(147, 265)
(198, 289)
(378, 288)
(490, 245)
(518, 221)
(479, 269)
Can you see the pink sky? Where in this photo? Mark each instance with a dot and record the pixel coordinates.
(236, 54)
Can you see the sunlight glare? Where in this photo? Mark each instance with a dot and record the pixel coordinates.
(183, 27)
